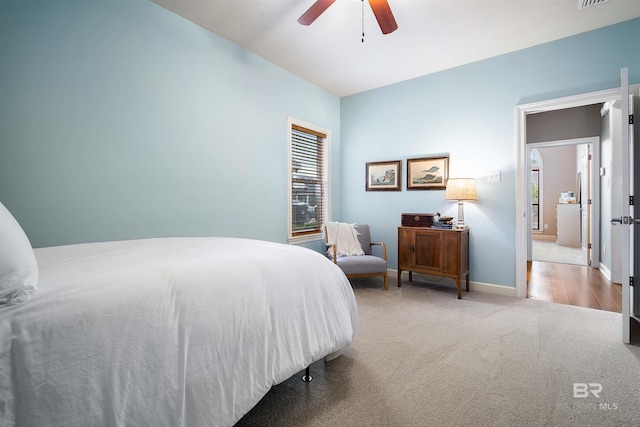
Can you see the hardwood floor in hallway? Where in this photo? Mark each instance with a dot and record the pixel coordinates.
(573, 285)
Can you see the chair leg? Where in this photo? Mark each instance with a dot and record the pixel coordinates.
(386, 282)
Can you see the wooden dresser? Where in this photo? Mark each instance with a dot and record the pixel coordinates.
(434, 251)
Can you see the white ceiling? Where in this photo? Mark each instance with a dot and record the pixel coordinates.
(433, 35)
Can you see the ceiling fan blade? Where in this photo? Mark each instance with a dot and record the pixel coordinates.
(314, 11)
(383, 14)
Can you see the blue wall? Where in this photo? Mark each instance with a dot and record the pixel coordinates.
(120, 119)
(469, 112)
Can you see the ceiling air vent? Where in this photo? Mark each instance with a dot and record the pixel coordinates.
(583, 4)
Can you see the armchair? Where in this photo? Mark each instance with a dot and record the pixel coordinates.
(366, 265)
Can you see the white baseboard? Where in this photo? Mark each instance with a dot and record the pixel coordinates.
(475, 286)
(604, 270)
(492, 289)
(545, 237)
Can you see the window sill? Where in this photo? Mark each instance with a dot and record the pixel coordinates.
(305, 239)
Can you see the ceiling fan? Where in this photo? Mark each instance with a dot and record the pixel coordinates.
(380, 8)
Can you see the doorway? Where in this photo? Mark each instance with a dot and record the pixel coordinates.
(565, 202)
(565, 224)
(523, 224)
(620, 173)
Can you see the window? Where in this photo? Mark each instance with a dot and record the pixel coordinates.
(535, 201)
(536, 164)
(308, 180)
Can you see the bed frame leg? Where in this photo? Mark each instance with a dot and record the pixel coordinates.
(306, 377)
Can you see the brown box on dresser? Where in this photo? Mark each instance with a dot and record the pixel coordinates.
(417, 219)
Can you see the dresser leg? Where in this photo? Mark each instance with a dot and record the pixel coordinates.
(467, 282)
(459, 283)
(399, 277)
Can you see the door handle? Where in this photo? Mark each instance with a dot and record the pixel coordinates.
(625, 220)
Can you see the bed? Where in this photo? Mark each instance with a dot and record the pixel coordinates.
(166, 332)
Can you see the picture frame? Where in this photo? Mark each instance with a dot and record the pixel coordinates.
(384, 176)
(428, 173)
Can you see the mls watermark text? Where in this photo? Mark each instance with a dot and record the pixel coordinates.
(584, 391)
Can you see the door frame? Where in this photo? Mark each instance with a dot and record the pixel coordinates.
(523, 167)
(593, 255)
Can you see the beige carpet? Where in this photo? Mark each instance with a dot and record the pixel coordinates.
(424, 358)
(549, 251)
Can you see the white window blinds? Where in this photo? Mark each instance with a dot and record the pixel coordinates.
(308, 180)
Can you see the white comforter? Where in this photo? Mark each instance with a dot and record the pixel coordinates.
(167, 332)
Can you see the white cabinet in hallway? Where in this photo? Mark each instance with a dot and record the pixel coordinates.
(568, 224)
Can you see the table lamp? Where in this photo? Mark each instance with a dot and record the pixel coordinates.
(461, 189)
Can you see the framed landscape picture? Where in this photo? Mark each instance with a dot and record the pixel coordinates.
(384, 176)
(428, 173)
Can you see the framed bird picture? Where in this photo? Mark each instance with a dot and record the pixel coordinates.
(428, 173)
(384, 176)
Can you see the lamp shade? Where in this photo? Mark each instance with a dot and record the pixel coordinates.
(461, 189)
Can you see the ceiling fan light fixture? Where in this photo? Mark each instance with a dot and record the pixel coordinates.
(384, 16)
(380, 8)
(314, 11)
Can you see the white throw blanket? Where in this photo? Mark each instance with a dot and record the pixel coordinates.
(345, 236)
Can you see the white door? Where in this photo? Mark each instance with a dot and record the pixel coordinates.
(625, 219)
(634, 135)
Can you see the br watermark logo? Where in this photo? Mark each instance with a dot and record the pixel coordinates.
(582, 390)
(589, 391)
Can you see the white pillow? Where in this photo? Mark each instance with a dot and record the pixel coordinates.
(18, 265)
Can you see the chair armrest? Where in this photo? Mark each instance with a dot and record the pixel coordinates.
(384, 249)
(335, 251)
